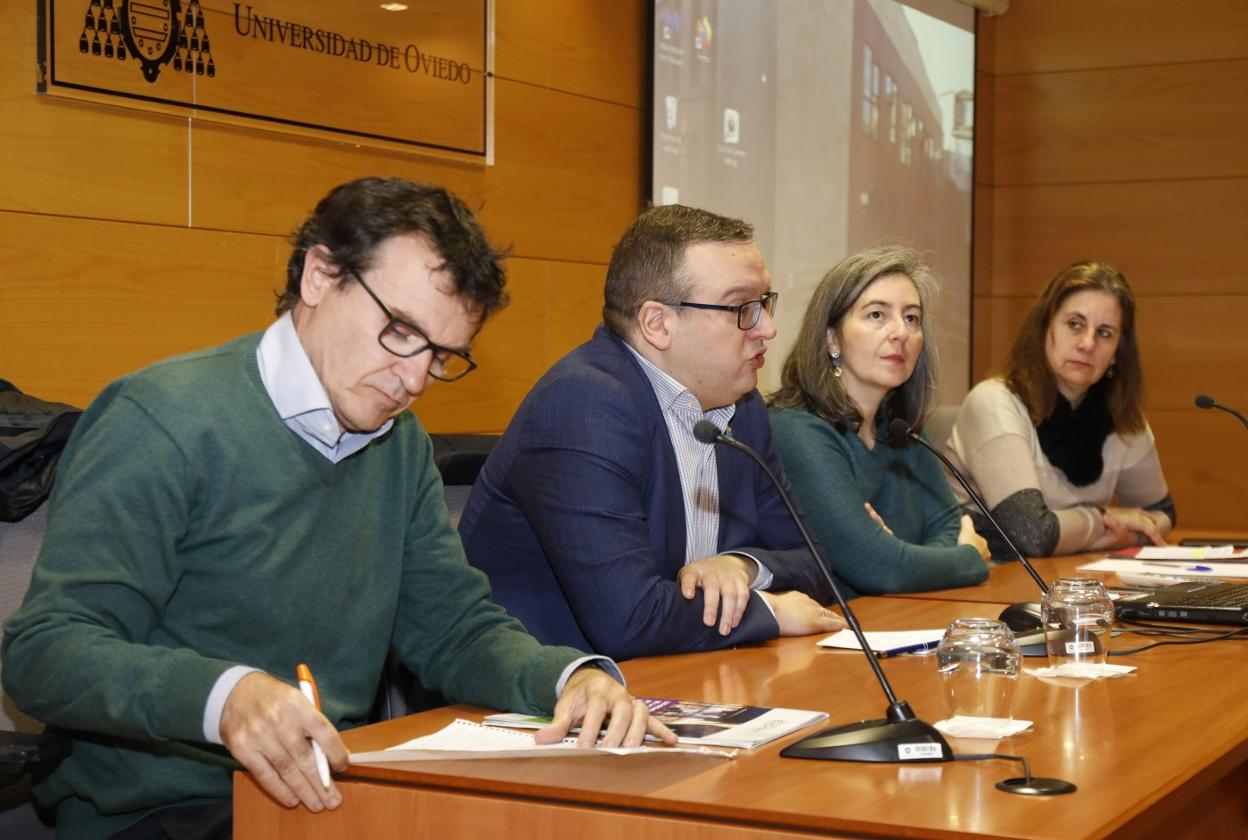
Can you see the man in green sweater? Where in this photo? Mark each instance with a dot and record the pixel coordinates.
(222, 516)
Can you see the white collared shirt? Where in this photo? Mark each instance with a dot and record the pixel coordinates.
(299, 396)
(695, 462)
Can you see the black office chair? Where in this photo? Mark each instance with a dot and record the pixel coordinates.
(24, 747)
(459, 459)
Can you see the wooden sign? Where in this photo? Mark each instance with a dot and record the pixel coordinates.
(416, 76)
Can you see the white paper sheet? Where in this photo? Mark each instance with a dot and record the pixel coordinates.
(882, 641)
(1187, 569)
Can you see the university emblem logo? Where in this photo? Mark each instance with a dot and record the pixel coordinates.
(156, 33)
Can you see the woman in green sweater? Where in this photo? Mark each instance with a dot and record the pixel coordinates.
(881, 508)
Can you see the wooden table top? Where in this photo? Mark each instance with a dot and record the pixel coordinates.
(1009, 582)
(1134, 745)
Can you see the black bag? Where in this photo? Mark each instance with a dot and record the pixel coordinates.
(32, 434)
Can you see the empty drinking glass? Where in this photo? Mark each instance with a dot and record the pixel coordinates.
(1078, 615)
(978, 661)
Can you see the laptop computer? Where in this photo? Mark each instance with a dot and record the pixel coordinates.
(1202, 602)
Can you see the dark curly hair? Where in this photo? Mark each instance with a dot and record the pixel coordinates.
(356, 217)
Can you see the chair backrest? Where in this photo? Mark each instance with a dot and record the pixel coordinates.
(19, 547)
(459, 459)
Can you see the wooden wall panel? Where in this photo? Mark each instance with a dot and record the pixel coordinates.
(1190, 224)
(150, 234)
(510, 353)
(1192, 344)
(994, 321)
(79, 159)
(83, 302)
(247, 179)
(574, 297)
(596, 50)
(1205, 458)
(1075, 34)
(1138, 123)
(568, 181)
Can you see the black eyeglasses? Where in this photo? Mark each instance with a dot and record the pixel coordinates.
(406, 339)
(748, 313)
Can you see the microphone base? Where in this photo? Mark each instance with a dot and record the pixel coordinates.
(1035, 643)
(1036, 786)
(907, 741)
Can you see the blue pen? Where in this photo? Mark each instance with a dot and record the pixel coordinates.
(1176, 566)
(919, 648)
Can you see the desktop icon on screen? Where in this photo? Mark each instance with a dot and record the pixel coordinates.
(669, 195)
(732, 126)
(672, 104)
(702, 34)
(669, 24)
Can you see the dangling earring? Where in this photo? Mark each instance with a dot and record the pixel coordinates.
(836, 363)
(1109, 374)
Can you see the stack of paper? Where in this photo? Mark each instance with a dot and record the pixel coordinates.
(464, 739)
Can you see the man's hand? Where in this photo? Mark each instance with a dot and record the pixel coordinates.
(725, 580)
(967, 535)
(799, 615)
(589, 696)
(266, 725)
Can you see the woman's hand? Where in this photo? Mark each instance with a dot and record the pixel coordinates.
(1136, 521)
(876, 518)
(967, 535)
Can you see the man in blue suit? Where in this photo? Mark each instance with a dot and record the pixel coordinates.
(600, 520)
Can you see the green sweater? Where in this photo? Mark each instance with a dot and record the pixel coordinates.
(190, 531)
(834, 474)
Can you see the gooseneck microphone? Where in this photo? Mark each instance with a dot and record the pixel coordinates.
(898, 429)
(1206, 401)
(900, 736)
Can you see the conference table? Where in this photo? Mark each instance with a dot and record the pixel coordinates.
(1162, 752)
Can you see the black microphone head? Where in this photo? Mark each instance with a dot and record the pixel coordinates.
(1204, 401)
(706, 432)
(899, 429)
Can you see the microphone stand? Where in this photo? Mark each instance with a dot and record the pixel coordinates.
(900, 735)
(1034, 641)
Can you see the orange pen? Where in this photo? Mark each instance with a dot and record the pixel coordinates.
(307, 685)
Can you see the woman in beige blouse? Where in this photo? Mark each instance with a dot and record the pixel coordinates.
(1057, 444)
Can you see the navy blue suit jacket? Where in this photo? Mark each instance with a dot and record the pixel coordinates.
(577, 516)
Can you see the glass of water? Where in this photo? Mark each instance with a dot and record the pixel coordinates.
(1078, 615)
(979, 662)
